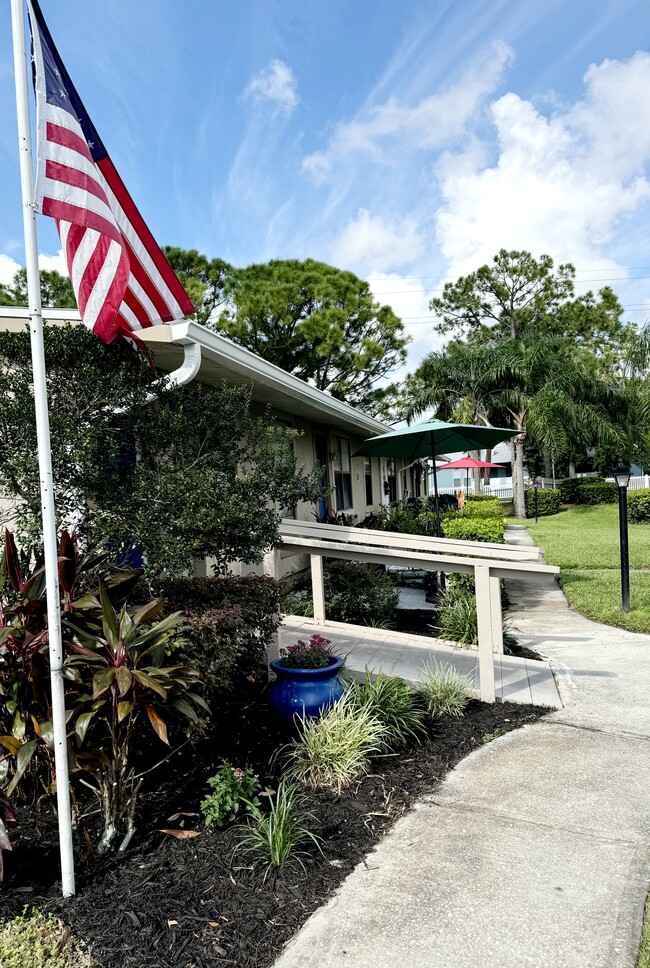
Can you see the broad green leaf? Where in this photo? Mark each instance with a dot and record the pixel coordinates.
(149, 683)
(148, 612)
(123, 679)
(109, 618)
(123, 709)
(158, 723)
(185, 708)
(82, 724)
(199, 700)
(23, 757)
(102, 681)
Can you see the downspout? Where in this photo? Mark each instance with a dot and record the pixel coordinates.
(185, 373)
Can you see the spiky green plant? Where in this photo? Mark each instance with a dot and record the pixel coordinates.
(281, 834)
(335, 749)
(445, 691)
(391, 701)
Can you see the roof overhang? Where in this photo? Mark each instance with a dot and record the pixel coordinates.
(223, 361)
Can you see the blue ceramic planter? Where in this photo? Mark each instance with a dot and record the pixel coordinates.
(305, 692)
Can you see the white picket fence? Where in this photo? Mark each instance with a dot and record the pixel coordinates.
(504, 490)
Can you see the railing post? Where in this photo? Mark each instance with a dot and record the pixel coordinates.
(318, 587)
(496, 618)
(485, 645)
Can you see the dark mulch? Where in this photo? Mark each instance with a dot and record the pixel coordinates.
(191, 904)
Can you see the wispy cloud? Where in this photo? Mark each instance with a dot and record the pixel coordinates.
(431, 123)
(370, 243)
(277, 84)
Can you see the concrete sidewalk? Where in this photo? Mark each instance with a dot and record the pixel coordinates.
(535, 851)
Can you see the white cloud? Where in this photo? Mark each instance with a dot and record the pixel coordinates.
(56, 262)
(562, 182)
(433, 122)
(369, 243)
(8, 267)
(277, 83)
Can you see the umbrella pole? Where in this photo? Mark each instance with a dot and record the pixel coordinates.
(435, 491)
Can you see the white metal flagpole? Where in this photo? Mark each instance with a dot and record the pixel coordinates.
(44, 451)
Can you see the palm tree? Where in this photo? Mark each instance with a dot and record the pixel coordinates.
(529, 384)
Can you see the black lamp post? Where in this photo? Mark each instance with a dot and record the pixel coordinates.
(622, 478)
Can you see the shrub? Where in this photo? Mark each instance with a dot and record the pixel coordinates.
(482, 498)
(333, 750)
(638, 506)
(473, 528)
(280, 835)
(570, 487)
(458, 620)
(232, 790)
(389, 699)
(482, 509)
(445, 691)
(33, 940)
(355, 593)
(548, 502)
(601, 493)
(230, 622)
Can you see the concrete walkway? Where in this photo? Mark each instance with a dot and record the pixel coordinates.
(535, 851)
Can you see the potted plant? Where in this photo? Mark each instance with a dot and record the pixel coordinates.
(307, 678)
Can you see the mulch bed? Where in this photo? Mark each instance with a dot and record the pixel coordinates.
(191, 903)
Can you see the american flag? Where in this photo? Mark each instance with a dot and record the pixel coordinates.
(119, 274)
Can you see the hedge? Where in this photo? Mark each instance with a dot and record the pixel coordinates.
(638, 506)
(472, 528)
(483, 509)
(570, 487)
(548, 502)
(601, 493)
(472, 498)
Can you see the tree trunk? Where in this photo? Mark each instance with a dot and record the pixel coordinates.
(548, 466)
(518, 498)
(572, 466)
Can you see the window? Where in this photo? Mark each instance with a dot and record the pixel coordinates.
(342, 472)
(367, 471)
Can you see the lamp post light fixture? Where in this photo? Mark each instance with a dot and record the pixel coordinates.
(622, 478)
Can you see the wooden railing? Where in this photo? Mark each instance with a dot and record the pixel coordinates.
(488, 563)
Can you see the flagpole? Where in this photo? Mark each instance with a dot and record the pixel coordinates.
(44, 451)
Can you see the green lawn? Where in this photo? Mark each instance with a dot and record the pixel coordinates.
(644, 950)
(584, 542)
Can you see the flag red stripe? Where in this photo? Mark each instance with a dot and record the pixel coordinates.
(111, 175)
(147, 283)
(68, 139)
(75, 178)
(80, 216)
(136, 306)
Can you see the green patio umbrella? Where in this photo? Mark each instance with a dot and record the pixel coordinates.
(430, 439)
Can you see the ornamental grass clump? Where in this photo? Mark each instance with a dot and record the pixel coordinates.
(389, 700)
(334, 750)
(280, 835)
(233, 791)
(314, 654)
(445, 691)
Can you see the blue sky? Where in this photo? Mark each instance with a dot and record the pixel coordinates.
(404, 140)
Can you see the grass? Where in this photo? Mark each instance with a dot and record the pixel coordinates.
(445, 691)
(644, 950)
(584, 542)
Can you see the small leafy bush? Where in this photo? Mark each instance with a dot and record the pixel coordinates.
(281, 835)
(233, 790)
(230, 621)
(445, 691)
(638, 506)
(482, 509)
(480, 498)
(314, 654)
(354, 593)
(33, 940)
(335, 749)
(389, 700)
(602, 493)
(548, 502)
(472, 528)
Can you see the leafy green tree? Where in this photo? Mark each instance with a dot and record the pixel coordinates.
(319, 323)
(205, 280)
(56, 290)
(193, 475)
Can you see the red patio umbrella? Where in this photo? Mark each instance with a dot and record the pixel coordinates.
(466, 462)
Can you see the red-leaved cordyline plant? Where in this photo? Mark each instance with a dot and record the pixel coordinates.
(314, 654)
